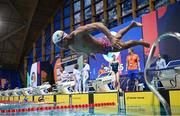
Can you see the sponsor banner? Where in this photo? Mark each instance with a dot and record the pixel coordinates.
(49, 98)
(140, 98)
(62, 99)
(80, 99)
(106, 97)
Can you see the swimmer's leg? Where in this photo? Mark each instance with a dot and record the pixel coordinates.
(132, 43)
(118, 45)
(121, 32)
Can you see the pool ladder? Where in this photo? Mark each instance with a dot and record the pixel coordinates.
(148, 64)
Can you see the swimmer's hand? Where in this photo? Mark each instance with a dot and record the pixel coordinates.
(116, 43)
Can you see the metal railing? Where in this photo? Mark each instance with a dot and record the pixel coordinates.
(148, 64)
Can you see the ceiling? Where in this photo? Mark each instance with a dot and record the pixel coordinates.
(21, 22)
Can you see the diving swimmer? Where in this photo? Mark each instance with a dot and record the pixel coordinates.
(83, 42)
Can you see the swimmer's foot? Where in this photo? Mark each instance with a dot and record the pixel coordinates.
(116, 43)
(136, 24)
(145, 44)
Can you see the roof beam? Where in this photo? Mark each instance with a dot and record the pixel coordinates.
(7, 52)
(16, 11)
(12, 33)
(10, 20)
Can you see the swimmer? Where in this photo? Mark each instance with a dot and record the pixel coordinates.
(114, 67)
(82, 42)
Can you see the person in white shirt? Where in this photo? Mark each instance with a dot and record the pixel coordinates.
(78, 79)
(85, 74)
(62, 74)
(160, 63)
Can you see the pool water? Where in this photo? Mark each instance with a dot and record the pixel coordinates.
(104, 110)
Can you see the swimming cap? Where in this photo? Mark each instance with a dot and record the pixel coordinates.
(58, 36)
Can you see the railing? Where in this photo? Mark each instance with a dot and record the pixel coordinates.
(148, 64)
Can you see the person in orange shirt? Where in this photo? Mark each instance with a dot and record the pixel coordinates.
(132, 67)
(101, 70)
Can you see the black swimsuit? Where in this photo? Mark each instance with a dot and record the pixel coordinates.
(114, 66)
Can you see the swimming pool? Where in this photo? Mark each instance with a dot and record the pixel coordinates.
(51, 109)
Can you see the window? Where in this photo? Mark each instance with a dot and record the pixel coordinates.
(113, 24)
(141, 3)
(112, 14)
(87, 21)
(99, 7)
(39, 49)
(66, 22)
(67, 30)
(77, 6)
(96, 0)
(48, 35)
(87, 3)
(160, 3)
(67, 2)
(111, 3)
(57, 24)
(77, 18)
(48, 52)
(67, 11)
(143, 11)
(76, 25)
(30, 60)
(100, 18)
(48, 42)
(77, 13)
(126, 7)
(87, 13)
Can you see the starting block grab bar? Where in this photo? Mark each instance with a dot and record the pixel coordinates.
(148, 64)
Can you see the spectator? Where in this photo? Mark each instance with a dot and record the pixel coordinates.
(85, 74)
(101, 70)
(77, 78)
(132, 68)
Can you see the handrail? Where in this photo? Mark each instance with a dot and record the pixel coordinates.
(148, 64)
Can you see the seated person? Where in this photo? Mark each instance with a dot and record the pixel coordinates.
(101, 70)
